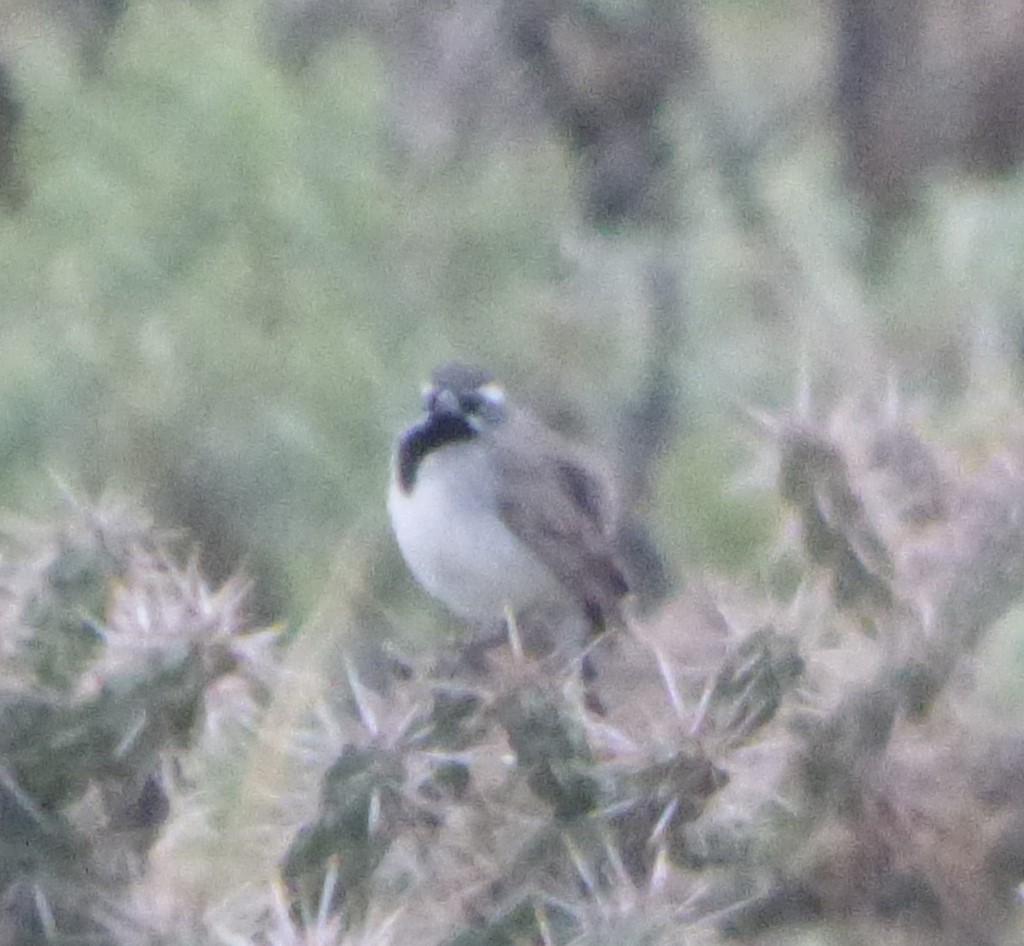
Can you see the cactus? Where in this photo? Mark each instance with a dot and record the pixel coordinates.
(821, 758)
(109, 647)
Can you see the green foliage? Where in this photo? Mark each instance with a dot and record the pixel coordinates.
(221, 291)
(708, 518)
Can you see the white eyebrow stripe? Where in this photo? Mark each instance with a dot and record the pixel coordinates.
(493, 392)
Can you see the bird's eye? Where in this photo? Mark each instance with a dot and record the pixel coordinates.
(471, 403)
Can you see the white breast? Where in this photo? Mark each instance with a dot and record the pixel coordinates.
(456, 545)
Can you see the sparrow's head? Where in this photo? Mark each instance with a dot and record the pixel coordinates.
(461, 403)
(467, 394)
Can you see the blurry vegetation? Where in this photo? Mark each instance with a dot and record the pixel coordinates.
(772, 255)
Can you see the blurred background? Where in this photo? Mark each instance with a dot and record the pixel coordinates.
(236, 236)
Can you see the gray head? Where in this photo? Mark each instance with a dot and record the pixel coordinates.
(461, 403)
(459, 377)
(467, 392)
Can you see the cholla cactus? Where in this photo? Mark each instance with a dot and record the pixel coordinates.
(889, 821)
(760, 762)
(109, 647)
(820, 756)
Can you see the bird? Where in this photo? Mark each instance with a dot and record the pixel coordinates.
(497, 514)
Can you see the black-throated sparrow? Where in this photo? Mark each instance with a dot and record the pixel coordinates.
(495, 512)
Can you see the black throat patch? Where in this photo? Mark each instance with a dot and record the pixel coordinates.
(436, 431)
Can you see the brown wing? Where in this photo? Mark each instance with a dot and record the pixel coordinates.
(555, 502)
